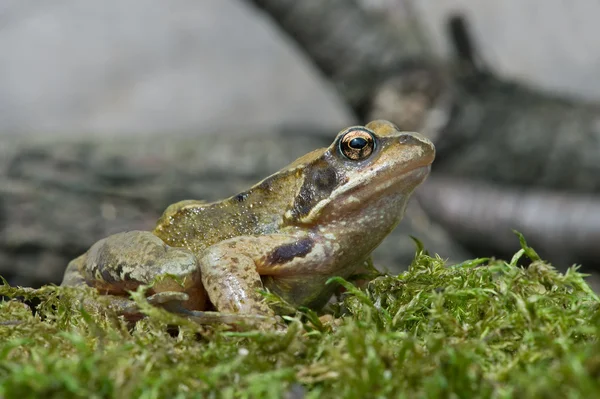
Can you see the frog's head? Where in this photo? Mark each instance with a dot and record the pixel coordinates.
(367, 172)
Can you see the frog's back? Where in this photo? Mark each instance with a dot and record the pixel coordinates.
(197, 225)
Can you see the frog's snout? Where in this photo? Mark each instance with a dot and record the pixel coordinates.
(418, 140)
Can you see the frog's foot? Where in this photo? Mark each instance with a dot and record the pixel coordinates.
(173, 302)
(122, 305)
(166, 298)
(263, 322)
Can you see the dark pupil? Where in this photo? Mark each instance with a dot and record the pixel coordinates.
(357, 143)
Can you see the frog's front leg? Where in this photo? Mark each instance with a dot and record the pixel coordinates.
(231, 270)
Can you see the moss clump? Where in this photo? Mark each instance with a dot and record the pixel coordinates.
(484, 328)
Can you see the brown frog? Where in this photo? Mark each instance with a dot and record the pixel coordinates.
(319, 217)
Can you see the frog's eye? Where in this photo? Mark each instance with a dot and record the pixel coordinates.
(357, 144)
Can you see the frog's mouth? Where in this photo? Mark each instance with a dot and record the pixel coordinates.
(396, 183)
(388, 183)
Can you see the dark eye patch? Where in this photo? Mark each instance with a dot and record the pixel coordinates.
(318, 185)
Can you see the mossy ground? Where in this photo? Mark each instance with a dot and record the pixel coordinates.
(482, 329)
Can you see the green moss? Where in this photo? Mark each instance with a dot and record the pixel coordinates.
(483, 328)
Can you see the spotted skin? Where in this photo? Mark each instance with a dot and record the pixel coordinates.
(319, 217)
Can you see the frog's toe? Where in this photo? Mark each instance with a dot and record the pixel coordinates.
(236, 320)
(172, 301)
(165, 297)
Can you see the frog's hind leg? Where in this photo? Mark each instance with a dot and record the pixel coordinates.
(73, 276)
(122, 262)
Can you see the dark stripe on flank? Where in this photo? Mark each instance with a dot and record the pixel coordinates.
(287, 252)
(106, 274)
(102, 262)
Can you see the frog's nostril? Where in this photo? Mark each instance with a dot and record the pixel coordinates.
(407, 139)
(413, 138)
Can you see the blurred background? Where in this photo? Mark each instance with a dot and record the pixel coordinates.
(110, 111)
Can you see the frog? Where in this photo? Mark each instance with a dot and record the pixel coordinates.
(317, 218)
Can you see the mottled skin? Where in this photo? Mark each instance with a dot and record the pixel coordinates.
(319, 217)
